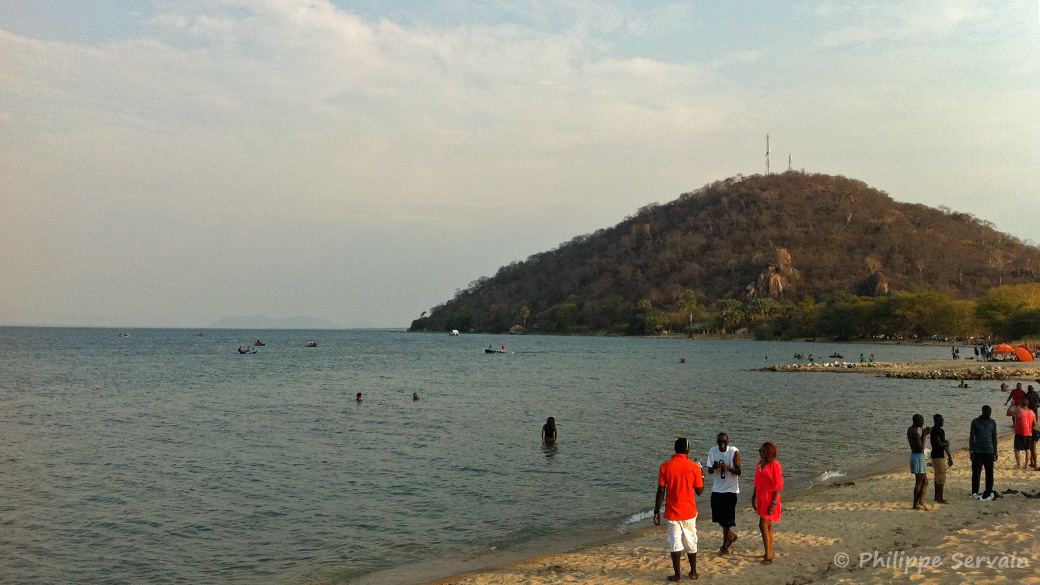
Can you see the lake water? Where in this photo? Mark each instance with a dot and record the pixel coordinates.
(165, 457)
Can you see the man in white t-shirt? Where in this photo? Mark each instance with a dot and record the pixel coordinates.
(725, 460)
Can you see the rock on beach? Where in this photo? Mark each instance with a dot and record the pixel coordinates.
(927, 370)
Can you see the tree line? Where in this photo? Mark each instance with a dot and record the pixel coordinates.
(1006, 312)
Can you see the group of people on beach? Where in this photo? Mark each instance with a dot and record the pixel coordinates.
(982, 447)
(680, 480)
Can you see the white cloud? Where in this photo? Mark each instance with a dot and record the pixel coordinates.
(887, 22)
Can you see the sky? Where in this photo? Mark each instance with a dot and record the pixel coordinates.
(174, 163)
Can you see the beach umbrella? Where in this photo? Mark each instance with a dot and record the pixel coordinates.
(1024, 354)
(1003, 348)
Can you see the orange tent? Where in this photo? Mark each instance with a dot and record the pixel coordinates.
(1003, 348)
(1024, 353)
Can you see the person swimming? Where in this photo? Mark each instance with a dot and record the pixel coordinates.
(359, 396)
(549, 432)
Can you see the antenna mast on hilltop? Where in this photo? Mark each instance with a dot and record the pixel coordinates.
(790, 160)
(767, 154)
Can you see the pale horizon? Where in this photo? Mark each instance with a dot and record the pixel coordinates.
(173, 164)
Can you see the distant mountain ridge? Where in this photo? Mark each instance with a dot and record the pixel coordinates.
(261, 322)
(783, 237)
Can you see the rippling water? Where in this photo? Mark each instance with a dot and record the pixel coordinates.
(164, 457)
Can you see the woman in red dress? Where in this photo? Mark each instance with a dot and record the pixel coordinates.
(765, 499)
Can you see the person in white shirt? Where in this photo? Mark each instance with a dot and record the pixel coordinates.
(725, 460)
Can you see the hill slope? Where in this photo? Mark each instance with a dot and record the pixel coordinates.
(783, 236)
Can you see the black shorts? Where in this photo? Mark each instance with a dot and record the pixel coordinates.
(1023, 442)
(724, 508)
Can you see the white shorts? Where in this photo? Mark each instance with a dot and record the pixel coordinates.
(682, 535)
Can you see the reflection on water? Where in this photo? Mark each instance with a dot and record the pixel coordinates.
(550, 449)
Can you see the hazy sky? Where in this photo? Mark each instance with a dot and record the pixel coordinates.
(172, 163)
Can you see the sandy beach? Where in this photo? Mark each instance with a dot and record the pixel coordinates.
(859, 530)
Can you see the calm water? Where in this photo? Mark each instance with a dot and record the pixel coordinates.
(164, 457)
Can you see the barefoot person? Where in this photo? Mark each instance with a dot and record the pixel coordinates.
(724, 489)
(765, 498)
(915, 436)
(1025, 423)
(941, 457)
(681, 481)
(982, 448)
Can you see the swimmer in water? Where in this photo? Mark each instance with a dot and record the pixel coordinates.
(359, 395)
(415, 396)
(549, 432)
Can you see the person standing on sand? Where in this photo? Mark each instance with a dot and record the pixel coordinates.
(940, 447)
(679, 482)
(982, 448)
(1033, 403)
(915, 436)
(724, 490)
(1025, 424)
(765, 498)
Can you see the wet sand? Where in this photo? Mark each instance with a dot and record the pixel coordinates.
(965, 541)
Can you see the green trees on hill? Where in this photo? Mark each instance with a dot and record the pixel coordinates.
(1007, 312)
(1012, 311)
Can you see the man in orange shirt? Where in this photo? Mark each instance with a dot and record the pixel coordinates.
(682, 481)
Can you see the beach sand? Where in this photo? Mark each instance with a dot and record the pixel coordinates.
(853, 517)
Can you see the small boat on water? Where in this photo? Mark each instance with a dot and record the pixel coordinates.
(312, 343)
(454, 333)
(259, 343)
(490, 349)
(836, 355)
(246, 351)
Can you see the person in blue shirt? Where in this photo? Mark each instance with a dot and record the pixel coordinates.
(982, 448)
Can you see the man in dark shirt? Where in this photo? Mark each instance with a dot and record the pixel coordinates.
(941, 456)
(982, 448)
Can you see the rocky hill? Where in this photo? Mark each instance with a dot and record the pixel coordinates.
(783, 236)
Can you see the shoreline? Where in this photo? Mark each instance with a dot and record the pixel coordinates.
(921, 370)
(864, 511)
(447, 570)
